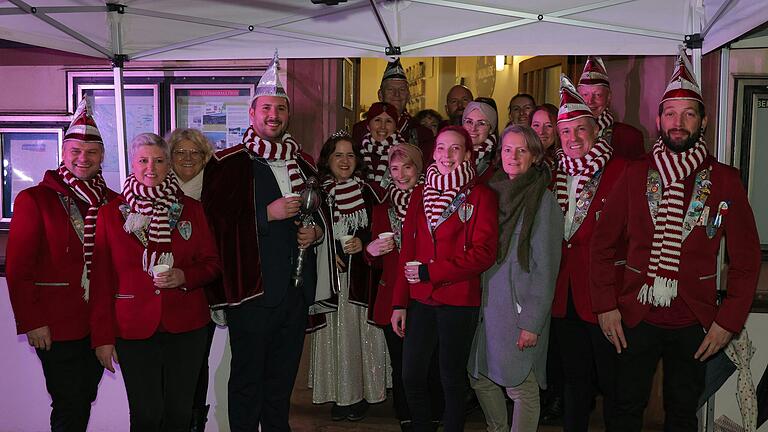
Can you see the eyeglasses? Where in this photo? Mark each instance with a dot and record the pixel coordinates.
(192, 154)
(479, 123)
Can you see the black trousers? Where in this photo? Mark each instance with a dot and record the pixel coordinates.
(587, 359)
(201, 391)
(399, 400)
(683, 376)
(160, 376)
(266, 347)
(72, 374)
(447, 330)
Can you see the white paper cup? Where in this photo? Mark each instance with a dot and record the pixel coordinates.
(160, 268)
(345, 238)
(386, 235)
(413, 263)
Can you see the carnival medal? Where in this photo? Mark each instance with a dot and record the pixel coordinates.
(717, 220)
(185, 229)
(465, 211)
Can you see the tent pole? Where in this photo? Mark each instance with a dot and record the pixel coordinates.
(118, 62)
(390, 50)
(696, 63)
(723, 152)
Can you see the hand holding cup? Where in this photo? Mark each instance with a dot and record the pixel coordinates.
(412, 271)
(383, 245)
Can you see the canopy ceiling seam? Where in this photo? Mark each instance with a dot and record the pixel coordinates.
(465, 35)
(715, 17)
(254, 29)
(520, 14)
(187, 43)
(61, 27)
(530, 18)
(617, 28)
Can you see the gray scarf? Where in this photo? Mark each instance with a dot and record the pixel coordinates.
(518, 197)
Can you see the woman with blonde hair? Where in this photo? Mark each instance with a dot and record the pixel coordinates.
(153, 255)
(190, 151)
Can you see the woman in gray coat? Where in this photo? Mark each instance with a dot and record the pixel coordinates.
(510, 346)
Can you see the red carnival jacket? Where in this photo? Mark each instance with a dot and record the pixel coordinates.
(45, 261)
(456, 252)
(574, 261)
(627, 214)
(383, 291)
(124, 301)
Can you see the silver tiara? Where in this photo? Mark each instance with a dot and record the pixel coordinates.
(341, 133)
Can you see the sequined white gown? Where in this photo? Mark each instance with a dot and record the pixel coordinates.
(349, 360)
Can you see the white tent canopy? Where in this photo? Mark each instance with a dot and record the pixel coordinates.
(222, 29)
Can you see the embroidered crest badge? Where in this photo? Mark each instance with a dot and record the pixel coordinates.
(185, 229)
(465, 211)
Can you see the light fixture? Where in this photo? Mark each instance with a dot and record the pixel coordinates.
(500, 62)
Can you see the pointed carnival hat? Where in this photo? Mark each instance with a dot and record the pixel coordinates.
(683, 84)
(394, 70)
(269, 84)
(572, 105)
(594, 73)
(83, 127)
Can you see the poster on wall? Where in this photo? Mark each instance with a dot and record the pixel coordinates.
(27, 154)
(141, 115)
(219, 111)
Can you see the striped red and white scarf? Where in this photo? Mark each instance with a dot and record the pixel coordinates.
(441, 189)
(399, 198)
(604, 121)
(150, 208)
(586, 166)
(287, 150)
(660, 287)
(376, 155)
(485, 148)
(348, 206)
(94, 192)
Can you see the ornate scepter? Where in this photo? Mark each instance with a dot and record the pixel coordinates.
(310, 202)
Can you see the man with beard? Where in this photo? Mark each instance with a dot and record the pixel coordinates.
(595, 88)
(250, 195)
(455, 101)
(672, 209)
(50, 249)
(586, 174)
(394, 90)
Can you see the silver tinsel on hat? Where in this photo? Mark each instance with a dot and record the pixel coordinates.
(269, 84)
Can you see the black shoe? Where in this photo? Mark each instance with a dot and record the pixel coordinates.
(339, 413)
(199, 417)
(358, 410)
(406, 426)
(552, 415)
